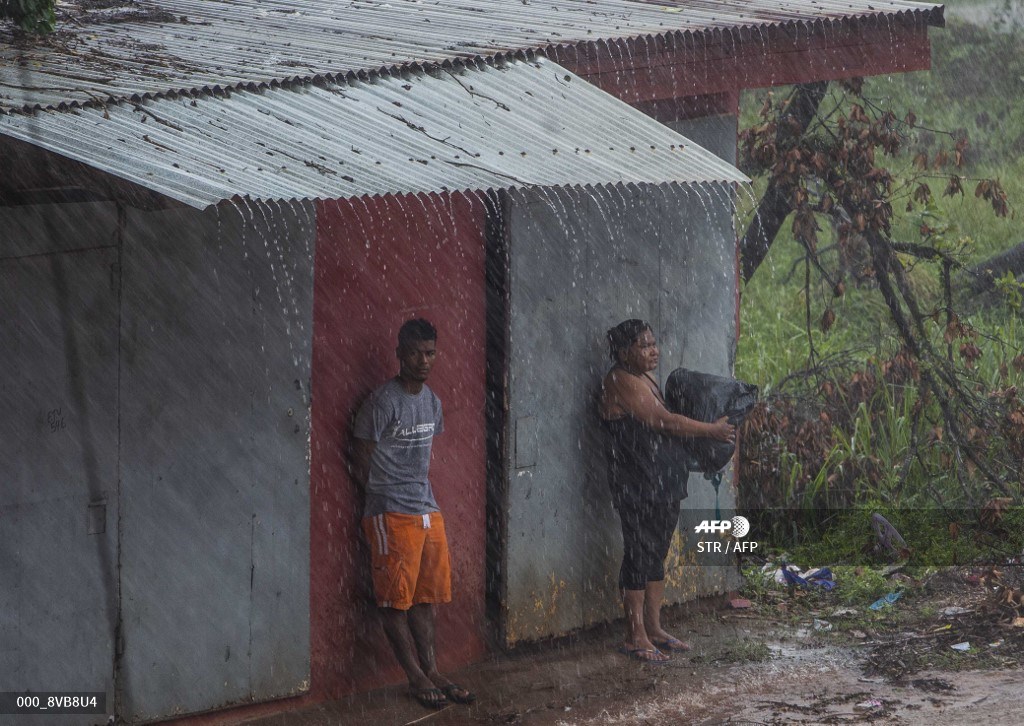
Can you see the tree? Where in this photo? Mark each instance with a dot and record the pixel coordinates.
(795, 115)
(33, 16)
(824, 156)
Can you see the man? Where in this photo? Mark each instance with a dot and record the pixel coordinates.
(411, 571)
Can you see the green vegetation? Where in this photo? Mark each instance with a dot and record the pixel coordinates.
(33, 16)
(976, 78)
(858, 586)
(934, 537)
(848, 426)
(851, 430)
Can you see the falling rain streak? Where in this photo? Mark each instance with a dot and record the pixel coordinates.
(219, 221)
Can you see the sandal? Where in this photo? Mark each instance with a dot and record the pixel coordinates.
(430, 697)
(646, 655)
(458, 694)
(672, 645)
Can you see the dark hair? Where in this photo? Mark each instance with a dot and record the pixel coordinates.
(625, 334)
(415, 331)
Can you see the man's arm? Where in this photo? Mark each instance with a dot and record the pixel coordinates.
(362, 452)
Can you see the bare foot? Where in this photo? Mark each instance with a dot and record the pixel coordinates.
(430, 697)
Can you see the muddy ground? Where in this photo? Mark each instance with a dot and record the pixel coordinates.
(769, 664)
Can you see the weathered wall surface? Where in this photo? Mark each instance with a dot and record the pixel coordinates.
(216, 320)
(582, 261)
(717, 133)
(58, 448)
(156, 396)
(380, 262)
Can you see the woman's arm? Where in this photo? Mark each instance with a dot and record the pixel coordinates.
(634, 396)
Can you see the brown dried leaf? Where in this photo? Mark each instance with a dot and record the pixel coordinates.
(992, 512)
(970, 353)
(828, 319)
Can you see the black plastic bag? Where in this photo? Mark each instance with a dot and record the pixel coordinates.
(706, 397)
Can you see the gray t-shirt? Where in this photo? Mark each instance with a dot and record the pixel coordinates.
(403, 425)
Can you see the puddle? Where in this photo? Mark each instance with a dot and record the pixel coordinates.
(585, 682)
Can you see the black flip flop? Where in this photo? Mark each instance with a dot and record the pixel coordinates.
(646, 655)
(672, 645)
(458, 694)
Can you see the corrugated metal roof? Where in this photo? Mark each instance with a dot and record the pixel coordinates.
(512, 124)
(149, 48)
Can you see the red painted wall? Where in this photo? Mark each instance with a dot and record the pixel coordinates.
(673, 66)
(379, 263)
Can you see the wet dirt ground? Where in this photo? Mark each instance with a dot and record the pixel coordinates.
(747, 666)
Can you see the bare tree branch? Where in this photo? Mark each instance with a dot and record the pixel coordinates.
(775, 204)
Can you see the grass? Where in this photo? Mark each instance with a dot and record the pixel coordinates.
(873, 463)
(857, 586)
(976, 79)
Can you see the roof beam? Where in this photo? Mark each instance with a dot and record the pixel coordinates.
(716, 63)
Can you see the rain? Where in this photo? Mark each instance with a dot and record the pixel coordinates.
(217, 216)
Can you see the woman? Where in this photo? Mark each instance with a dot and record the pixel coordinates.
(646, 491)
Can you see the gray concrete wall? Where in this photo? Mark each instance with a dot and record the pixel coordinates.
(216, 320)
(58, 449)
(717, 134)
(155, 438)
(582, 261)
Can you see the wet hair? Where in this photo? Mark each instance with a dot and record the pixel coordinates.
(624, 335)
(416, 330)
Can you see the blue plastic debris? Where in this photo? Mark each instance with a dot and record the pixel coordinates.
(815, 578)
(885, 601)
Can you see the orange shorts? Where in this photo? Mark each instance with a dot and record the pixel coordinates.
(409, 556)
